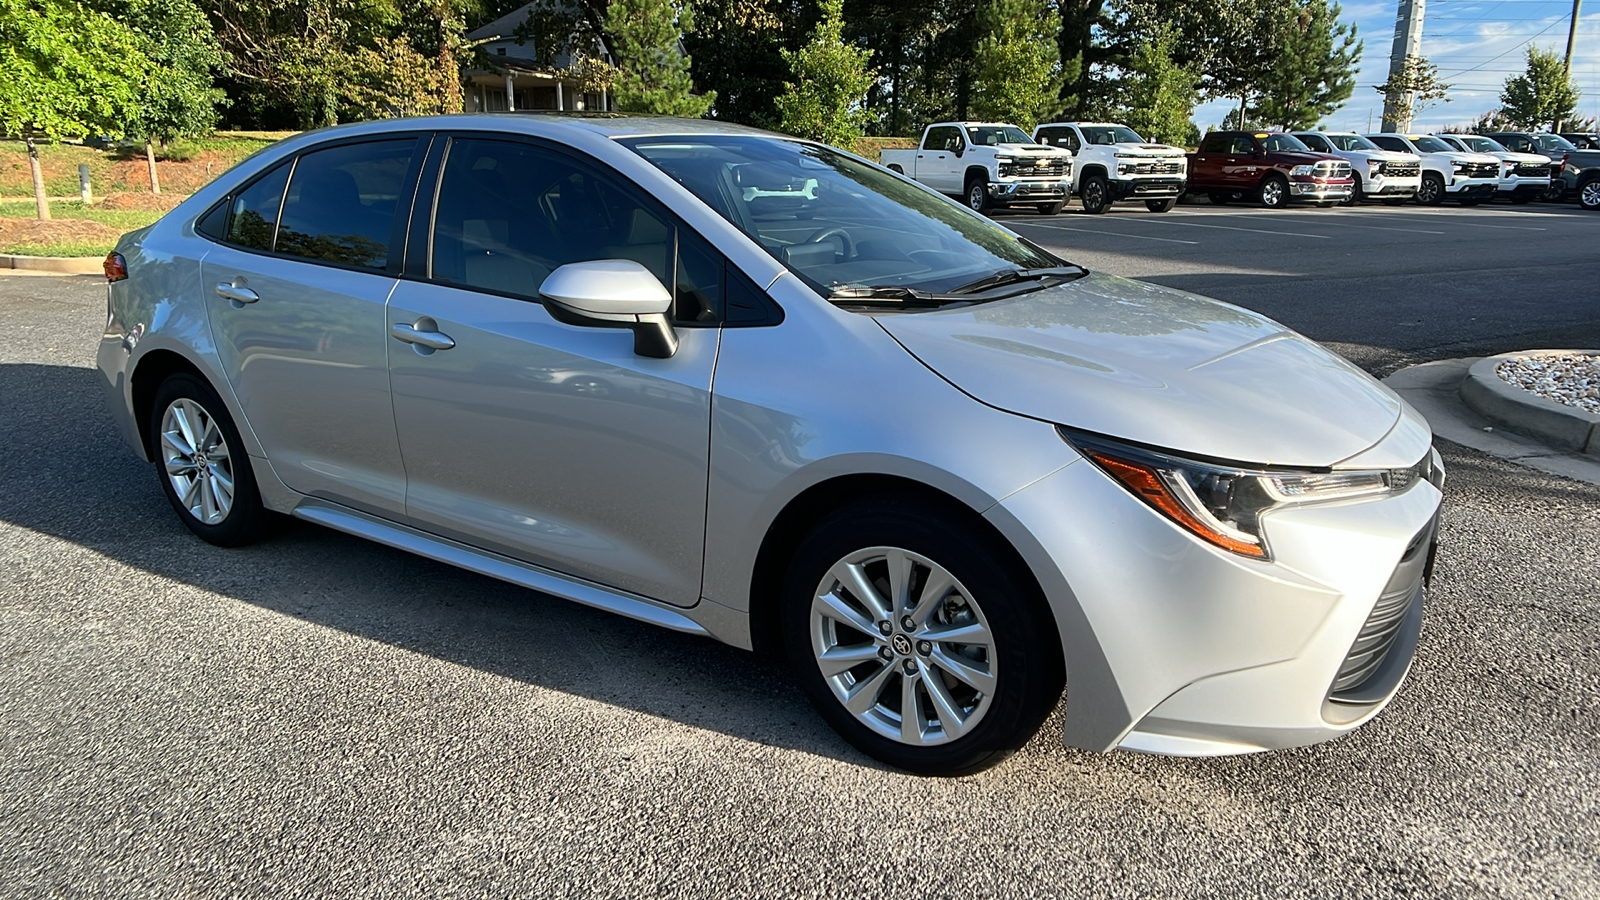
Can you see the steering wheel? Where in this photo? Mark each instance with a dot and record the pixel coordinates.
(848, 246)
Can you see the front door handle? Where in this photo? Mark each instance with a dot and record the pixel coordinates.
(429, 338)
(237, 294)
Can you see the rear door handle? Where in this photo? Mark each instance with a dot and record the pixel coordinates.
(237, 294)
(433, 340)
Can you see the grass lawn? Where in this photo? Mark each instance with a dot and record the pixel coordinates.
(120, 219)
(73, 231)
(184, 165)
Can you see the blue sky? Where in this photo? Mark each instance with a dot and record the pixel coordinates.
(1477, 45)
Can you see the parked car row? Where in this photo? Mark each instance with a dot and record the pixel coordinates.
(995, 165)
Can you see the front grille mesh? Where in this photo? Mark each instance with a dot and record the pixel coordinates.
(1480, 170)
(1158, 168)
(1377, 636)
(1533, 170)
(1053, 168)
(1402, 169)
(1331, 169)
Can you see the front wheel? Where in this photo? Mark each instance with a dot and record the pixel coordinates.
(1095, 195)
(978, 197)
(919, 638)
(1357, 194)
(1274, 192)
(1161, 205)
(1589, 194)
(204, 468)
(1431, 192)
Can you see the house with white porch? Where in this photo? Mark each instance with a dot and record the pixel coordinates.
(518, 80)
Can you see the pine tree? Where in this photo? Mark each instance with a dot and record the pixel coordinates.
(1016, 65)
(1313, 69)
(1542, 96)
(826, 101)
(1158, 95)
(653, 74)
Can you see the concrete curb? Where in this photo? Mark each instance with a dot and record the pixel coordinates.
(1557, 424)
(62, 265)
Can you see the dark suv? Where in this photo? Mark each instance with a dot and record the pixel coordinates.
(1582, 141)
(1574, 167)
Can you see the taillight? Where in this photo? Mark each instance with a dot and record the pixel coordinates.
(116, 267)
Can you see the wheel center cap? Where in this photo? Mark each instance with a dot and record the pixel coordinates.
(901, 644)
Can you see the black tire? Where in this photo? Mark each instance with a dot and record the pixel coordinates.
(897, 170)
(1431, 192)
(1589, 193)
(1051, 209)
(1094, 194)
(1219, 199)
(1026, 651)
(977, 196)
(1161, 205)
(1554, 192)
(1357, 193)
(1274, 192)
(247, 520)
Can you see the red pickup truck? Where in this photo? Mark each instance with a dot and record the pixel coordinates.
(1273, 167)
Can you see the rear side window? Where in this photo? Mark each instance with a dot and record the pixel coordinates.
(508, 214)
(1214, 143)
(341, 203)
(254, 217)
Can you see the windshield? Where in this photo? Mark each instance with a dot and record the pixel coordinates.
(1283, 142)
(1110, 134)
(1351, 142)
(989, 135)
(1430, 145)
(1480, 144)
(1553, 142)
(838, 223)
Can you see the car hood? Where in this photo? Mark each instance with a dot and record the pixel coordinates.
(1034, 149)
(1390, 156)
(1531, 158)
(1156, 366)
(1127, 148)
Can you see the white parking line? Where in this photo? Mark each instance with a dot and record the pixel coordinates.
(1163, 221)
(1141, 237)
(1456, 220)
(1323, 218)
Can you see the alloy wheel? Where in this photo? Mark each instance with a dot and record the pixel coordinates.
(197, 461)
(1272, 194)
(1428, 193)
(1590, 195)
(903, 646)
(975, 197)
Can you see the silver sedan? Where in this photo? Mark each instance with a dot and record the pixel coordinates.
(750, 387)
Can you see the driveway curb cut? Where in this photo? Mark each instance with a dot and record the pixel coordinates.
(65, 265)
(1557, 424)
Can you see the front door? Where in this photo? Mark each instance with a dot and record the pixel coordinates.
(547, 442)
(296, 293)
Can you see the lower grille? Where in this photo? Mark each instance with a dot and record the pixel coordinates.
(1401, 169)
(1479, 170)
(1377, 637)
(1532, 170)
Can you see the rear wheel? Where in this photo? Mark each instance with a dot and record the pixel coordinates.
(1095, 195)
(204, 469)
(1161, 205)
(1589, 193)
(919, 638)
(1431, 192)
(978, 196)
(1051, 209)
(1274, 192)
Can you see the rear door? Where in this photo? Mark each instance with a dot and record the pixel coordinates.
(296, 292)
(552, 443)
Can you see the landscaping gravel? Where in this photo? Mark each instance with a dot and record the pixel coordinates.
(1570, 378)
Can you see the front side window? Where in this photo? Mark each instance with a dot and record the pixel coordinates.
(1111, 134)
(1241, 145)
(1391, 143)
(835, 222)
(944, 139)
(508, 214)
(1316, 143)
(341, 203)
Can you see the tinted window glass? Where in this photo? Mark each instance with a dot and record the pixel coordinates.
(1389, 143)
(1316, 143)
(341, 203)
(1214, 143)
(509, 214)
(254, 216)
(1241, 145)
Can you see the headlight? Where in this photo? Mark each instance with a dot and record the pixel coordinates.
(1223, 504)
(1302, 171)
(1374, 167)
(1005, 160)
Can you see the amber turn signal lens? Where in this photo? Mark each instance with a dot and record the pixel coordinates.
(1148, 486)
(116, 267)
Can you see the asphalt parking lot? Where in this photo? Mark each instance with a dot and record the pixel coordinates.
(317, 715)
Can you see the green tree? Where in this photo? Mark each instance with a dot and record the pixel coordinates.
(65, 71)
(1406, 93)
(1541, 96)
(737, 47)
(826, 100)
(1016, 64)
(1158, 94)
(653, 69)
(1313, 70)
(179, 98)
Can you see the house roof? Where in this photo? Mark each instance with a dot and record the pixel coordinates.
(503, 26)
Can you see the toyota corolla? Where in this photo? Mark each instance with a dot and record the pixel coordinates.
(746, 386)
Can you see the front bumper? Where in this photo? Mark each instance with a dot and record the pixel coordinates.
(1514, 186)
(1145, 188)
(1173, 646)
(1320, 190)
(1473, 187)
(1029, 191)
(1393, 186)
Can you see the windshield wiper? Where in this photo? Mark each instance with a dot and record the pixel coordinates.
(887, 295)
(1017, 276)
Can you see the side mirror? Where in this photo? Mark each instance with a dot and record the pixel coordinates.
(613, 293)
(958, 150)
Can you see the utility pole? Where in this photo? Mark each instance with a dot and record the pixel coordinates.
(1407, 44)
(1572, 40)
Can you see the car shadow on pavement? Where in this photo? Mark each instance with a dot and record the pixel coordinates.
(67, 473)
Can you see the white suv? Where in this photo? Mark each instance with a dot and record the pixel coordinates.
(1389, 175)
(1470, 178)
(1524, 177)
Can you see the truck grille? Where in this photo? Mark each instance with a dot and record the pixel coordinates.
(1382, 628)
(1479, 170)
(1159, 167)
(1533, 170)
(1329, 168)
(1040, 168)
(1402, 169)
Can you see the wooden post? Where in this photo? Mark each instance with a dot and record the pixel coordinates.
(84, 194)
(150, 161)
(41, 203)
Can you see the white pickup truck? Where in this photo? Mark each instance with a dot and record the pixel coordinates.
(1112, 162)
(987, 164)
